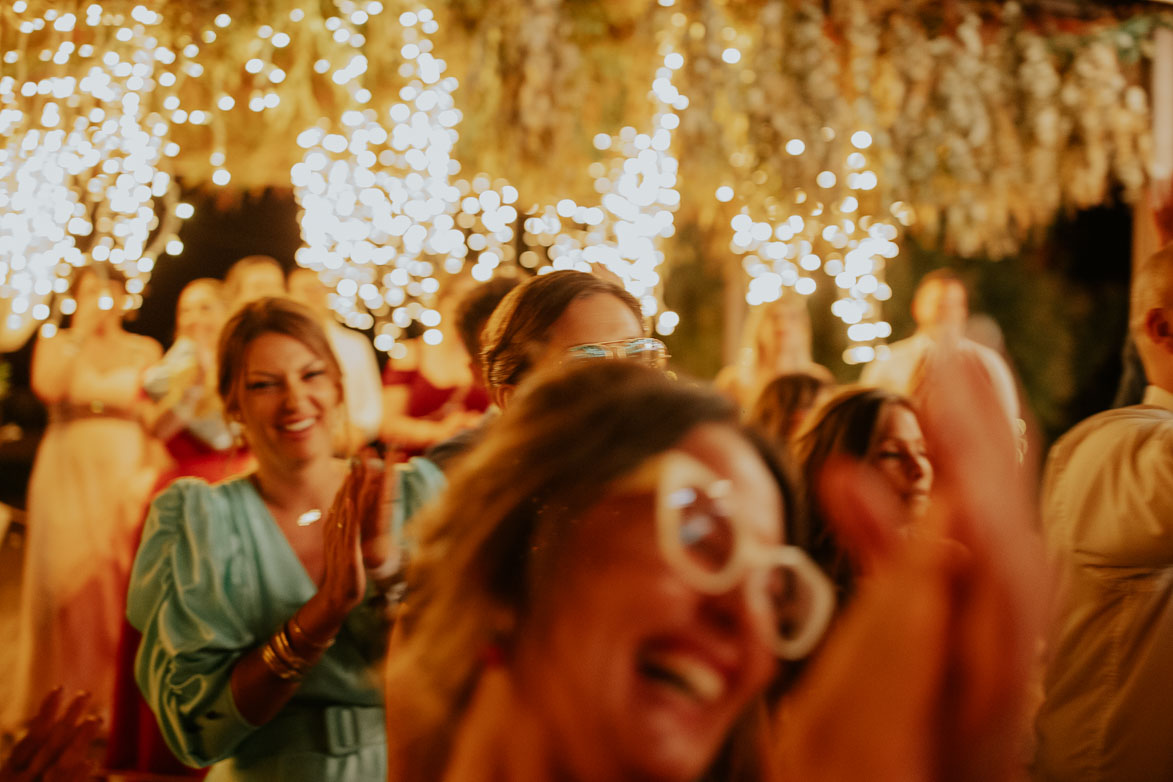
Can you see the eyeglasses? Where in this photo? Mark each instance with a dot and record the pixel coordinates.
(646, 350)
(706, 537)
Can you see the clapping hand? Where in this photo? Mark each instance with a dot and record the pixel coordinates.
(56, 747)
(925, 676)
(356, 532)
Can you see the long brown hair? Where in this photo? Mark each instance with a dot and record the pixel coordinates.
(487, 552)
(776, 411)
(845, 425)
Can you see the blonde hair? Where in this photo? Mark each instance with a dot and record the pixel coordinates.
(209, 402)
(755, 322)
(750, 362)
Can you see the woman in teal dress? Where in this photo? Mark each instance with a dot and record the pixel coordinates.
(261, 600)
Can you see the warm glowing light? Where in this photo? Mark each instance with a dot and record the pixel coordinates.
(80, 176)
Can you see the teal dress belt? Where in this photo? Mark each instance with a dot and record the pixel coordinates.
(330, 730)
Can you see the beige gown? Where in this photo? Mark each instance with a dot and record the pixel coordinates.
(88, 491)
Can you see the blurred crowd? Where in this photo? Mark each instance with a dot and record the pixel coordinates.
(532, 553)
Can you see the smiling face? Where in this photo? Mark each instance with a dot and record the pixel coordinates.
(199, 315)
(287, 399)
(898, 451)
(637, 674)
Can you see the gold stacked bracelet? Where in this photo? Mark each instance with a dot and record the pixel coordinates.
(280, 656)
(280, 666)
(298, 635)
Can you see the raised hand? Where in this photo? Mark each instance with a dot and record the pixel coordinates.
(55, 749)
(357, 533)
(375, 502)
(925, 677)
(344, 577)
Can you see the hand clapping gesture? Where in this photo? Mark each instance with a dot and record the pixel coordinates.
(356, 533)
(56, 747)
(924, 678)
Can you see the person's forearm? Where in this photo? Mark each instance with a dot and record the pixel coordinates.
(263, 680)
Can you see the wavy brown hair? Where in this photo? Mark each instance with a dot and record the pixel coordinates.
(775, 413)
(268, 316)
(844, 425)
(488, 551)
(518, 328)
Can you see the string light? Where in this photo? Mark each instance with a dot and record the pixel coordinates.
(638, 197)
(845, 234)
(80, 168)
(384, 213)
(383, 218)
(375, 193)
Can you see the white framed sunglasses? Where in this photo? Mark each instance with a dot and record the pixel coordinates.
(646, 350)
(705, 535)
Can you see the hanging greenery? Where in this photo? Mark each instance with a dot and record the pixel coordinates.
(982, 120)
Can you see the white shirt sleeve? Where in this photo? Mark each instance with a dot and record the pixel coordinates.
(1108, 493)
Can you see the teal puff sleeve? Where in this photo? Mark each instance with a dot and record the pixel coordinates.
(185, 599)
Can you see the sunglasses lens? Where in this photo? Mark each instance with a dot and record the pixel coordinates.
(588, 352)
(791, 602)
(649, 351)
(706, 537)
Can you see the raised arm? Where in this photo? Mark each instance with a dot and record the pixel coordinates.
(53, 359)
(925, 676)
(265, 678)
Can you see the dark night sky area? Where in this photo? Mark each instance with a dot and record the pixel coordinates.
(217, 235)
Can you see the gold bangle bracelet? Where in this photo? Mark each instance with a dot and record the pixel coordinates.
(298, 634)
(276, 665)
(285, 653)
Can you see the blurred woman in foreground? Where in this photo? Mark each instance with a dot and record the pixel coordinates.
(614, 609)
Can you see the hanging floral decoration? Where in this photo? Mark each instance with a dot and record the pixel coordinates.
(983, 121)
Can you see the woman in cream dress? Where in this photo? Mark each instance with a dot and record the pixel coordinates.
(87, 492)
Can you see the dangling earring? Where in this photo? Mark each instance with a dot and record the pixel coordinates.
(497, 648)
